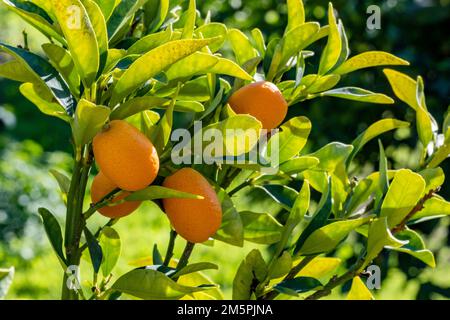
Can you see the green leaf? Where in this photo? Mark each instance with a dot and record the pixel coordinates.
(332, 51)
(364, 189)
(189, 24)
(296, 215)
(53, 231)
(259, 41)
(111, 246)
(211, 30)
(332, 156)
(251, 271)
(319, 218)
(194, 64)
(197, 279)
(415, 247)
(155, 13)
(321, 268)
(158, 192)
(423, 118)
(433, 208)
(297, 165)
(239, 134)
(34, 92)
(241, 45)
(283, 195)
(95, 251)
(403, 86)
(107, 7)
(281, 266)
(137, 105)
(289, 46)
(231, 230)
(48, 75)
(298, 285)
(162, 131)
(373, 131)
(62, 179)
(152, 63)
(156, 257)
(99, 26)
(121, 17)
(63, 62)
(440, 155)
(35, 16)
(434, 178)
(359, 291)
(379, 237)
(404, 193)
(292, 138)
(319, 83)
(260, 228)
(195, 267)
(113, 58)
(6, 278)
(384, 179)
(89, 120)
(229, 68)
(15, 70)
(369, 59)
(152, 285)
(296, 14)
(358, 94)
(150, 42)
(328, 237)
(81, 39)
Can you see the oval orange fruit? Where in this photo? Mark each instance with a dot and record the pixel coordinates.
(194, 219)
(126, 156)
(101, 187)
(263, 100)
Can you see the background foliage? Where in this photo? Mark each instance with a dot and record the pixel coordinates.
(409, 30)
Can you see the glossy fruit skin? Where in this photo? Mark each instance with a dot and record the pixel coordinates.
(102, 186)
(126, 156)
(195, 220)
(263, 100)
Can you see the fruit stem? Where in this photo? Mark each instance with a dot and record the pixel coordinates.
(170, 247)
(185, 256)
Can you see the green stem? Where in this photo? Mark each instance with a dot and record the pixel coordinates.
(74, 219)
(184, 260)
(170, 247)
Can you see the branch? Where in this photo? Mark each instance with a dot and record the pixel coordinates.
(419, 206)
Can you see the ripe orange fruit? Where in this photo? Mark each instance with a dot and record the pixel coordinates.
(126, 156)
(195, 220)
(102, 186)
(263, 100)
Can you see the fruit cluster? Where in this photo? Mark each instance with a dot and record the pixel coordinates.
(128, 161)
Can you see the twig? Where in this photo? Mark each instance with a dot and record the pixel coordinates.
(419, 206)
(185, 257)
(102, 203)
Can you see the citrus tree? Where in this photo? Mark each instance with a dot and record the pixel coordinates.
(133, 78)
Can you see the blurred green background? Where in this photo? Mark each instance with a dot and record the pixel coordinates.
(31, 144)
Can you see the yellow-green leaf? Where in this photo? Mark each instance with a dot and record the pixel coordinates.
(404, 193)
(296, 14)
(359, 291)
(154, 62)
(81, 39)
(369, 59)
(332, 51)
